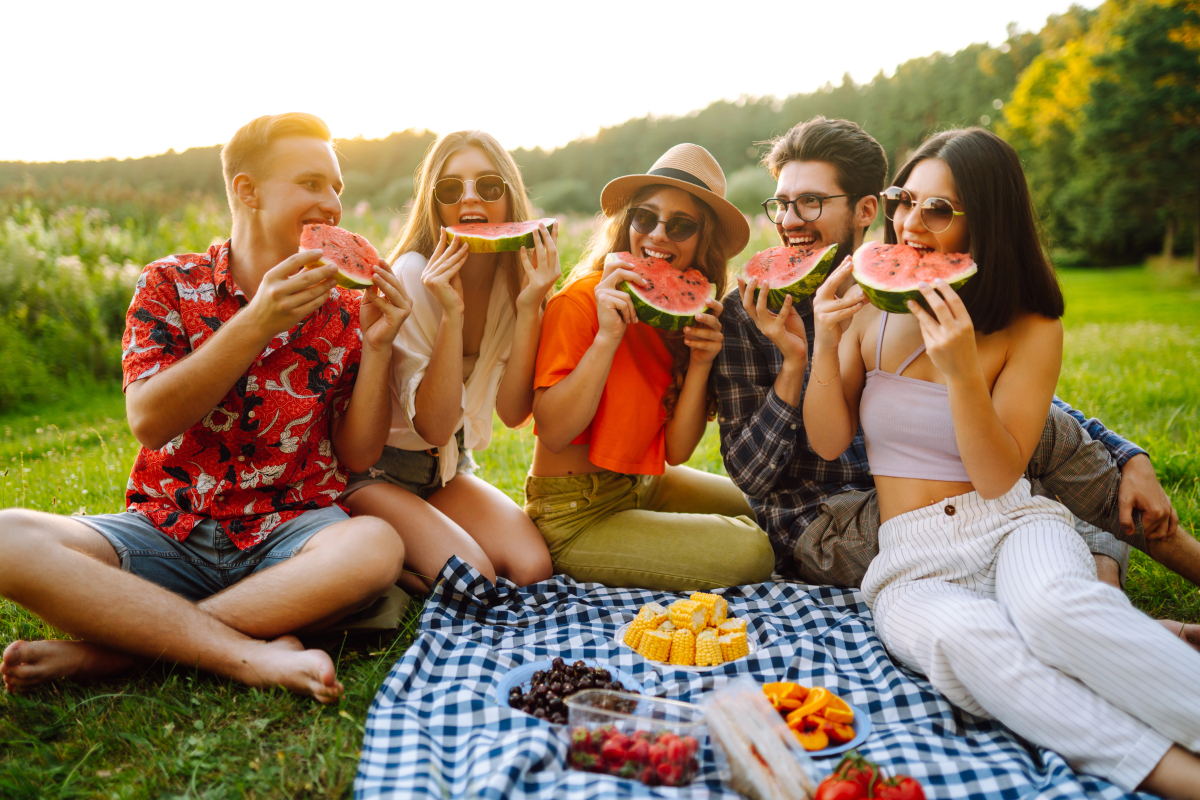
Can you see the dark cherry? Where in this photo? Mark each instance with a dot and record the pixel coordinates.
(537, 678)
(557, 663)
(539, 712)
(569, 688)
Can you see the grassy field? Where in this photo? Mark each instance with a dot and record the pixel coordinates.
(1133, 359)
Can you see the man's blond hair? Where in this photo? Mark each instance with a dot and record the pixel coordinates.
(246, 151)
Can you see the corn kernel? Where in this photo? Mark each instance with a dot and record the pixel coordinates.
(689, 614)
(655, 645)
(718, 609)
(734, 646)
(708, 649)
(683, 648)
(648, 617)
(732, 625)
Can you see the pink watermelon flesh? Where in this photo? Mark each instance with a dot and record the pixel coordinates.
(498, 237)
(353, 255)
(671, 299)
(889, 274)
(790, 271)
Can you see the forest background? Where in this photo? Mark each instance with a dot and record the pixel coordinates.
(1103, 106)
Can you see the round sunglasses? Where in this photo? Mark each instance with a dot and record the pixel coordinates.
(449, 191)
(679, 229)
(937, 213)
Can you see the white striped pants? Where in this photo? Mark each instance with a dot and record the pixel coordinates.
(997, 603)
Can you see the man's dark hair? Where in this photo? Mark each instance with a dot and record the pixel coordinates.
(1014, 273)
(860, 161)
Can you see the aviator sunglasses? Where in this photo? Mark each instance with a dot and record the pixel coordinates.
(449, 191)
(679, 229)
(937, 213)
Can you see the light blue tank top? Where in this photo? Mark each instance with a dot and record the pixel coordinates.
(907, 425)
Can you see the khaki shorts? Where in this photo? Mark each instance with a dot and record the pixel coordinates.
(416, 471)
(682, 531)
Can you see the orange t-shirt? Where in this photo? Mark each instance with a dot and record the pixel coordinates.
(627, 432)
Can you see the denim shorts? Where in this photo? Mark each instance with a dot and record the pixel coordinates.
(207, 561)
(416, 471)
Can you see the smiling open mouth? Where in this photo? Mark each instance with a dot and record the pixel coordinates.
(472, 217)
(651, 253)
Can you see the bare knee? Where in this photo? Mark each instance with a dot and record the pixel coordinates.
(378, 550)
(529, 568)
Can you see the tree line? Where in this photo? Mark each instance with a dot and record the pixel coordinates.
(1103, 105)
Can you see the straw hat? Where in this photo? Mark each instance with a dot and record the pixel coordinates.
(693, 169)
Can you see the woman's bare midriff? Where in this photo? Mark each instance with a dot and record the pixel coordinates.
(901, 495)
(573, 460)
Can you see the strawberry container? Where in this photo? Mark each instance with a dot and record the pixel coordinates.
(648, 739)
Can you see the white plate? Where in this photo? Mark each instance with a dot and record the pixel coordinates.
(620, 639)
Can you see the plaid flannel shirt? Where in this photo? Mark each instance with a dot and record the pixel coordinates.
(766, 451)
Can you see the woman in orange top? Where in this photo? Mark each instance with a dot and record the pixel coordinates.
(619, 405)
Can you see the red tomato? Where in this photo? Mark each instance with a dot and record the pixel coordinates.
(900, 787)
(854, 767)
(835, 788)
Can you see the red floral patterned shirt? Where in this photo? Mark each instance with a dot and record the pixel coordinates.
(263, 456)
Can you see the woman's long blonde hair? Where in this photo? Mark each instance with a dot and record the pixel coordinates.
(613, 237)
(424, 225)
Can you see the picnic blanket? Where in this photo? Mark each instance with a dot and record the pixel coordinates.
(435, 728)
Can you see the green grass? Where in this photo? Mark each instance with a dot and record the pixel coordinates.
(1133, 359)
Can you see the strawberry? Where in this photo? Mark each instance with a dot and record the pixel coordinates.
(614, 752)
(658, 754)
(669, 774)
(640, 751)
(677, 752)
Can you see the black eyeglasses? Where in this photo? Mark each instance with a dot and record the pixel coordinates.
(679, 229)
(937, 213)
(449, 191)
(808, 206)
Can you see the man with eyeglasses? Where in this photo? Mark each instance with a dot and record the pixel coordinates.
(822, 516)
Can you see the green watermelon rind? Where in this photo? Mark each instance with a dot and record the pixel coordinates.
(345, 278)
(660, 318)
(806, 286)
(895, 301)
(506, 244)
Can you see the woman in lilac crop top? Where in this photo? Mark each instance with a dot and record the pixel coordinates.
(988, 591)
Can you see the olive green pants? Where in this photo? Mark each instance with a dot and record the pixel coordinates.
(684, 530)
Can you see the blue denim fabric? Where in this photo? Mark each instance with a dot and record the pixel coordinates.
(207, 561)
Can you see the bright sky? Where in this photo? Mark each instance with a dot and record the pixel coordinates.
(125, 79)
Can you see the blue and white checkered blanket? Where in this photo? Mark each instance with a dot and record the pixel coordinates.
(436, 731)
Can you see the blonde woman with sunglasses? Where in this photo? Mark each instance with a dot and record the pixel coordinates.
(469, 349)
(620, 405)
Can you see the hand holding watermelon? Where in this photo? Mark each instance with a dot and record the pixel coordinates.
(949, 333)
(704, 336)
(540, 271)
(288, 292)
(614, 308)
(384, 309)
(441, 277)
(785, 329)
(831, 312)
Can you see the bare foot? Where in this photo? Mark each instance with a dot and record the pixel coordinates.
(26, 664)
(1191, 633)
(284, 662)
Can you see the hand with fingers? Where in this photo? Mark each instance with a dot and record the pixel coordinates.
(948, 332)
(705, 338)
(1141, 490)
(785, 329)
(614, 308)
(830, 312)
(539, 270)
(384, 308)
(441, 277)
(288, 292)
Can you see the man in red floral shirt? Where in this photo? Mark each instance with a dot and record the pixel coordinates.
(253, 384)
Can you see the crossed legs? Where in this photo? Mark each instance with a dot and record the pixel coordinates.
(68, 574)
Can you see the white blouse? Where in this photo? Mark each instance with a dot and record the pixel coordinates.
(413, 348)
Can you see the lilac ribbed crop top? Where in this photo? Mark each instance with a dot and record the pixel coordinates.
(907, 425)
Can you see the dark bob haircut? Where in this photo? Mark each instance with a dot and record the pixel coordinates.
(1014, 274)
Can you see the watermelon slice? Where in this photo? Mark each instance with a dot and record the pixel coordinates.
(671, 299)
(486, 237)
(889, 273)
(789, 270)
(353, 255)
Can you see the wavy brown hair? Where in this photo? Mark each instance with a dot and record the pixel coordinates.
(424, 224)
(613, 237)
